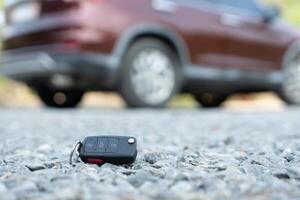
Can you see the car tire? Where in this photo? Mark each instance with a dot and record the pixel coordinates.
(210, 99)
(151, 75)
(60, 98)
(290, 90)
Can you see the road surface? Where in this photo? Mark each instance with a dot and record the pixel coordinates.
(183, 154)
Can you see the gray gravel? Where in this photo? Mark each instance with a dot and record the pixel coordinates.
(183, 154)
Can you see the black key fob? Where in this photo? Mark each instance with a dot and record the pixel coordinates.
(108, 149)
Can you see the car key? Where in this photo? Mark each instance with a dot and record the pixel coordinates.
(106, 149)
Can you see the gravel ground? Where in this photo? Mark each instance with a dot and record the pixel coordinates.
(183, 154)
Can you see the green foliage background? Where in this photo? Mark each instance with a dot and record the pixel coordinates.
(290, 9)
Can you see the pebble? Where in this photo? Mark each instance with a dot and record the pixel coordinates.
(35, 167)
(152, 158)
(45, 148)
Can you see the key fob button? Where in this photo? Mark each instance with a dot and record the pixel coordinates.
(102, 144)
(112, 145)
(131, 141)
(90, 145)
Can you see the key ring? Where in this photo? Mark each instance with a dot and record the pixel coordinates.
(76, 150)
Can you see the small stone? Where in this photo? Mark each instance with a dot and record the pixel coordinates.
(240, 155)
(220, 168)
(288, 150)
(289, 157)
(152, 157)
(282, 176)
(294, 173)
(36, 167)
(128, 172)
(262, 153)
(156, 172)
(160, 164)
(202, 186)
(254, 162)
(228, 141)
(54, 165)
(45, 148)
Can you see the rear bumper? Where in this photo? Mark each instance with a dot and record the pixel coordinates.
(85, 69)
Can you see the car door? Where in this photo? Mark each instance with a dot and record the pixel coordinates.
(223, 34)
(251, 45)
(202, 31)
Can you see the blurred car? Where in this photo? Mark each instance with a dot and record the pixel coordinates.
(150, 50)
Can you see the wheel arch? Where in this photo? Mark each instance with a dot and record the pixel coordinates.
(166, 35)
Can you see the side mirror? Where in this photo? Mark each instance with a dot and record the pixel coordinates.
(271, 13)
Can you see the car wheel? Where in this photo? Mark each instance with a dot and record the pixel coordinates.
(60, 98)
(210, 99)
(151, 75)
(291, 85)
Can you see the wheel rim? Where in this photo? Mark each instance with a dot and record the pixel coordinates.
(152, 76)
(291, 84)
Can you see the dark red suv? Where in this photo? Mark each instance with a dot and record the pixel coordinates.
(149, 50)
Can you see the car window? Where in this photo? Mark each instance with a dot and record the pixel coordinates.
(247, 7)
(250, 6)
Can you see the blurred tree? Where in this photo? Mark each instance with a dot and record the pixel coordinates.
(290, 9)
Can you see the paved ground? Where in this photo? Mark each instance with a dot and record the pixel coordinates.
(183, 154)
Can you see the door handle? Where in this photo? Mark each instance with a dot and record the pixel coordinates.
(231, 20)
(164, 5)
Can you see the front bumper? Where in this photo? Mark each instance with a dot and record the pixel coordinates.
(86, 69)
